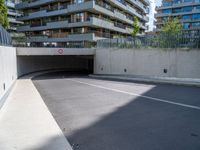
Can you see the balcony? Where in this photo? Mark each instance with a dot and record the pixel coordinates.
(138, 4)
(177, 14)
(147, 2)
(101, 35)
(13, 20)
(85, 6)
(70, 37)
(62, 10)
(178, 5)
(98, 22)
(45, 26)
(134, 12)
(111, 12)
(119, 4)
(13, 14)
(10, 4)
(91, 36)
(28, 4)
(142, 26)
(122, 17)
(92, 21)
(43, 13)
(81, 6)
(146, 18)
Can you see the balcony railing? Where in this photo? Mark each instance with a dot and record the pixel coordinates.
(116, 24)
(104, 5)
(173, 5)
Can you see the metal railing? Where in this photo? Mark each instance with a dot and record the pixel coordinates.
(185, 39)
(5, 38)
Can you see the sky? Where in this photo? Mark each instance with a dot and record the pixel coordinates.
(157, 2)
(153, 4)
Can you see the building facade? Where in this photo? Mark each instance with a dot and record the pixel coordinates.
(64, 23)
(187, 11)
(13, 14)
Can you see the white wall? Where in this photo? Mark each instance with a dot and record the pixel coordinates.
(149, 62)
(8, 70)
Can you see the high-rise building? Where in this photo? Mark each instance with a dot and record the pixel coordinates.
(12, 16)
(79, 22)
(187, 11)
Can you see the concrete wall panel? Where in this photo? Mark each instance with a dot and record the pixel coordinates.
(149, 62)
(38, 51)
(8, 70)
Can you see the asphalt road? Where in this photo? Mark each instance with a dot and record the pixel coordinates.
(113, 115)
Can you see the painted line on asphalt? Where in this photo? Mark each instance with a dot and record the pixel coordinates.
(135, 94)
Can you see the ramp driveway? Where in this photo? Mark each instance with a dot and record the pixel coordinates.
(114, 115)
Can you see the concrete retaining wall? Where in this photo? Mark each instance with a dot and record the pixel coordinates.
(28, 64)
(8, 70)
(149, 62)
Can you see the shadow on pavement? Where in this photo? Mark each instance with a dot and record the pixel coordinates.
(141, 124)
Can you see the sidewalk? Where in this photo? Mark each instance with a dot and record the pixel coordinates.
(168, 80)
(26, 123)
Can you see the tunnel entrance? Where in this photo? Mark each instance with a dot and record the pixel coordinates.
(71, 63)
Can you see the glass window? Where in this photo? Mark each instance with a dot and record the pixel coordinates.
(177, 1)
(167, 4)
(122, 1)
(186, 25)
(78, 1)
(79, 17)
(197, 7)
(196, 16)
(197, 1)
(185, 17)
(187, 9)
(176, 10)
(186, 1)
(77, 30)
(196, 24)
(167, 11)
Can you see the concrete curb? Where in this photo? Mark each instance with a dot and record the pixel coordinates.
(174, 81)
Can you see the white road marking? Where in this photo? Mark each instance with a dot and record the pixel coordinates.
(135, 94)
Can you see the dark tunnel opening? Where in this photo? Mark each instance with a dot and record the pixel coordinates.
(69, 63)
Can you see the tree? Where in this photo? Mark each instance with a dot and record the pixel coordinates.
(170, 33)
(3, 14)
(171, 26)
(136, 27)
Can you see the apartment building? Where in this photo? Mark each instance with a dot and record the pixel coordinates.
(187, 11)
(64, 23)
(13, 14)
